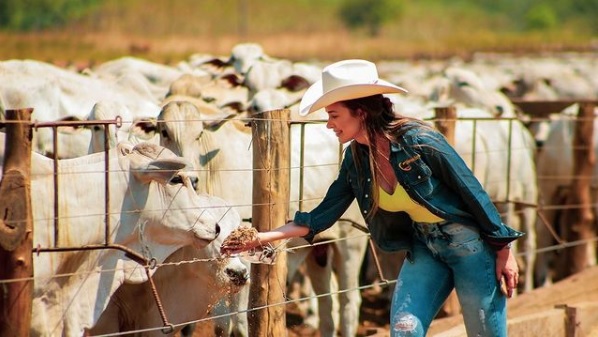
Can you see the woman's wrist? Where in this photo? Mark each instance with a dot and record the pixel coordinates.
(504, 251)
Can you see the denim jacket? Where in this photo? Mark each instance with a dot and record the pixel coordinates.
(433, 174)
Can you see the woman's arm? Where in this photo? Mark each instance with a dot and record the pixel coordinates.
(286, 231)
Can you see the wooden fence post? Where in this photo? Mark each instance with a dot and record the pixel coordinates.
(578, 222)
(16, 227)
(572, 323)
(271, 172)
(446, 118)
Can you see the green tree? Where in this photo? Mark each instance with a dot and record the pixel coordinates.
(369, 14)
(28, 15)
(541, 17)
(587, 9)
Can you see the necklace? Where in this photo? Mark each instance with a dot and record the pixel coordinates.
(384, 169)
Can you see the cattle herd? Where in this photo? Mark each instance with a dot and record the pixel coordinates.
(180, 168)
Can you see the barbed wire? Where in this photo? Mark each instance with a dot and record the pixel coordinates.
(290, 250)
(289, 301)
(378, 283)
(332, 241)
(228, 205)
(182, 262)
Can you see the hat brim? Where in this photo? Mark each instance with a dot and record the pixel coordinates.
(314, 98)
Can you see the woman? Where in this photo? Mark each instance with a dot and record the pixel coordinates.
(416, 194)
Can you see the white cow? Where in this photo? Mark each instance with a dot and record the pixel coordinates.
(188, 291)
(44, 96)
(143, 76)
(130, 129)
(463, 87)
(220, 90)
(510, 178)
(142, 129)
(555, 175)
(223, 159)
(57, 94)
(153, 211)
(182, 127)
(260, 71)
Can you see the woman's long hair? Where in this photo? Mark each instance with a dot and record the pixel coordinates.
(378, 118)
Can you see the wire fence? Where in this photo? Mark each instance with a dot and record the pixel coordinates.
(332, 165)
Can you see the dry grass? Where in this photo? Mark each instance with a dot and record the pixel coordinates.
(169, 31)
(61, 48)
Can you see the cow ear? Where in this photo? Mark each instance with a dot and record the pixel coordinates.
(295, 83)
(215, 125)
(124, 148)
(70, 129)
(143, 128)
(161, 170)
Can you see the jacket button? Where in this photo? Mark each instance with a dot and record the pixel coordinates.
(369, 179)
(365, 211)
(367, 195)
(419, 177)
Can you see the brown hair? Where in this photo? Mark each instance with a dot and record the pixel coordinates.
(378, 118)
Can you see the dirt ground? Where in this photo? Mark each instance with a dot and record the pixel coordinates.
(374, 315)
(576, 289)
(374, 312)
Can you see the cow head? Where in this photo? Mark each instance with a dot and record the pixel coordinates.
(181, 125)
(162, 199)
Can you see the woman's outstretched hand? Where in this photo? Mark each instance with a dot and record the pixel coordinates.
(245, 238)
(241, 239)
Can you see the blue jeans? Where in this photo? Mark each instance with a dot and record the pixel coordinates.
(448, 256)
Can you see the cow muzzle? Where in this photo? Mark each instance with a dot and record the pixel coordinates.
(238, 276)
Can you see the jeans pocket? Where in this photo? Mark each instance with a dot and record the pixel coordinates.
(459, 235)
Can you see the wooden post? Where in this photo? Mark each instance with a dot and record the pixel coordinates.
(572, 323)
(271, 165)
(578, 222)
(446, 119)
(16, 227)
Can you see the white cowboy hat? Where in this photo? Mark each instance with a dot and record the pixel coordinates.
(344, 80)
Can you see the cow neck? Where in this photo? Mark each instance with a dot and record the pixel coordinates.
(206, 145)
(125, 168)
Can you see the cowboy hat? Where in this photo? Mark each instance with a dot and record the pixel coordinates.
(344, 80)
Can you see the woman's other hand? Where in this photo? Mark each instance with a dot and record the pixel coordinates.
(507, 271)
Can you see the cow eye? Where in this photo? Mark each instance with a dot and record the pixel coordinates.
(177, 179)
(164, 133)
(194, 182)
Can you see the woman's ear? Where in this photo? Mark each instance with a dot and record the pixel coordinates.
(361, 114)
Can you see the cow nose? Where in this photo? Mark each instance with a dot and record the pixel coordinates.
(237, 276)
(194, 182)
(217, 230)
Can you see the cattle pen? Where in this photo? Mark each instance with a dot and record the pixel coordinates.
(270, 187)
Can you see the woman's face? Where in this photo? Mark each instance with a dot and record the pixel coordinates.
(345, 125)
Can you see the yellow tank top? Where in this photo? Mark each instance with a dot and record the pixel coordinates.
(400, 201)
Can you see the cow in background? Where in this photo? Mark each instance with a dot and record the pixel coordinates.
(154, 210)
(190, 283)
(223, 159)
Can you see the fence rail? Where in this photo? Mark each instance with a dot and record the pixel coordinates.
(446, 123)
